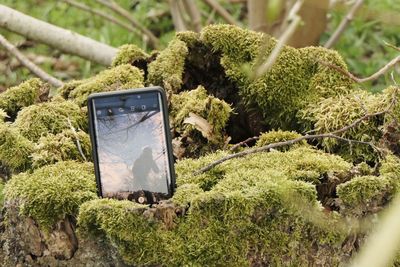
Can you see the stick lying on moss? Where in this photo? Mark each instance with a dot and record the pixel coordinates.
(333, 134)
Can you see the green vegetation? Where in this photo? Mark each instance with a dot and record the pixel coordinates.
(53, 117)
(129, 54)
(23, 95)
(167, 69)
(52, 192)
(279, 136)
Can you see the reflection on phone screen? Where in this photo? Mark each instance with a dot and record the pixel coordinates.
(131, 147)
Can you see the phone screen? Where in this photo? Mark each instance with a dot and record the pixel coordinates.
(131, 142)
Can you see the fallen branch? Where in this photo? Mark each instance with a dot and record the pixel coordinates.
(101, 14)
(333, 134)
(59, 38)
(373, 77)
(112, 5)
(343, 24)
(29, 64)
(222, 12)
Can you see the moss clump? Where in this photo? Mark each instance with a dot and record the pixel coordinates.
(61, 147)
(68, 87)
(334, 113)
(302, 163)
(52, 192)
(23, 95)
(15, 149)
(391, 168)
(279, 136)
(364, 193)
(294, 81)
(127, 54)
(53, 117)
(232, 224)
(216, 112)
(190, 38)
(117, 78)
(167, 69)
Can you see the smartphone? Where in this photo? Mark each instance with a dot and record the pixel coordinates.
(131, 142)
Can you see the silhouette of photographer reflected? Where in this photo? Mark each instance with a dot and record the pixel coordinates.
(142, 167)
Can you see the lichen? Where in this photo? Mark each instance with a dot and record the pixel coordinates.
(167, 69)
(334, 113)
(15, 149)
(295, 80)
(53, 117)
(61, 147)
(52, 192)
(23, 95)
(127, 54)
(279, 136)
(117, 78)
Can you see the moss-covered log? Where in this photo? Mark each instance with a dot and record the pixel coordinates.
(298, 205)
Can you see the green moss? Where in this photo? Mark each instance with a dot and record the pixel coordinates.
(23, 95)
(61, 147)
(52, 192)
(233, 226)
(186, 193)
(53, 117)
(15, 149)
(279, 136)
(391, 167)
(117, 78)
(365, 192)
(292, 83)
(190, 38)
(167, 69)
(197, 101)
(334, 113)
(127, 54)
(68, 87)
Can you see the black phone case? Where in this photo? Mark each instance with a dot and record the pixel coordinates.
(164, 111)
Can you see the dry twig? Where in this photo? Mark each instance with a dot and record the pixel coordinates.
(101, 14)
(112, 5)
(244, 142)
(333, 134)
(29, 64)
(373, 77)
(343, 24)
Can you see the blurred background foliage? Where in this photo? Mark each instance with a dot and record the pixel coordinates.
(362, 43)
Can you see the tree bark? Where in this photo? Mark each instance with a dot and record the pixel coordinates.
(56, 37)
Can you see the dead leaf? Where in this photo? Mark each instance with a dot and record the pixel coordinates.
(201, 125)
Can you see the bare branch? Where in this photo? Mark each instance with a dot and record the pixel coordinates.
(194, 14)
(64, 40)
(343, 24)
(29, 64)
(333, 134)
(391, 46)
(101, 14)
(222, 12)
(373, 77)
(244, 142)
(112, 5)
(177, 16)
